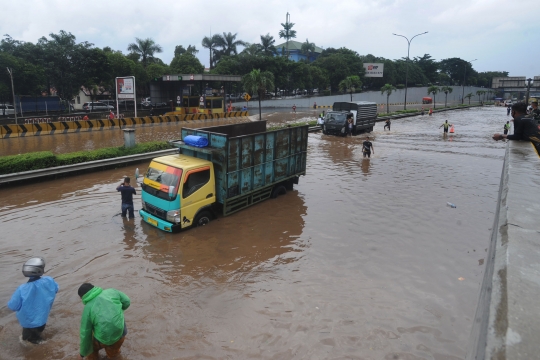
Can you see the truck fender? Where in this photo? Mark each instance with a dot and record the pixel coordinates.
(207, 208)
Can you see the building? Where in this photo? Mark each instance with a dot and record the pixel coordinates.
(295, 51)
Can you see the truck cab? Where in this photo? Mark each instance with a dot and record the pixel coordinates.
(177, 189)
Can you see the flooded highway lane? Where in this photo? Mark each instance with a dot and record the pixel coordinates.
(363, 260)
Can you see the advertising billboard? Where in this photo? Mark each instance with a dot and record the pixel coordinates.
(125, 88)
(374, 69)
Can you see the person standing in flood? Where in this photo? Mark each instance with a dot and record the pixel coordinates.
(349, 125)
(102, 324)
(33, 300)
(387, 124)
(446, 125)
(127, 192)
(508, 109)
(294, 108)
(506, 127)
(367, 148)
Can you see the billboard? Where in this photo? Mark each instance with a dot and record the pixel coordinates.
(374, 69)
(125, 88)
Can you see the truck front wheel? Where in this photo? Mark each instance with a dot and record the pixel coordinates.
(202, 219)
(278, 190)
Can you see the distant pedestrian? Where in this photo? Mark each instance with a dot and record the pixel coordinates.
(127, 197)
(367, 148)
(102, 324)
(508, 109)
(430, 111)
(85, 117)
(446, 126)
(314, 105)
(422, 111)
(535, 110)
(349, 125)
(33, 300)
(387, 124)
(294, 108)
(111, 115)
(506, 127)
(320, 121)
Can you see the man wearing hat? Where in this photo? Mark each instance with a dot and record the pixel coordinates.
(102, 324)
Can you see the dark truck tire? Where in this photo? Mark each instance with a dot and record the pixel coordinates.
(278, 190)
(203, 218)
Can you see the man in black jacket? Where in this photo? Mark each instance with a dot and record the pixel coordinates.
(524, 128)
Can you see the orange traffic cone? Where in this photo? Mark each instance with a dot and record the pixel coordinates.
(452, 129)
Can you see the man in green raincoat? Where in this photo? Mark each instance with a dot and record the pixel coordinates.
(102, 323)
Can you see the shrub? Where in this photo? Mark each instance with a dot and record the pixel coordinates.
(326, 92)
(25, 162)
(400, 86)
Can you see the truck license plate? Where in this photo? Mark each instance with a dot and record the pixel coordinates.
(152, 221)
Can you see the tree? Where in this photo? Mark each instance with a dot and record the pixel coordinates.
(469, 96)
(388, 89)
(267, 45)
(251, 50)
(479, 93)
(349, 84)
(228, 44)
(429, 67)
(446, 90)
(454, 68)
(180, 50)
(433, 90)
(339, 63)
(307, 49)
(258, 81)
(211, 43)
(145, 48)
(287, 33)
(186, 64)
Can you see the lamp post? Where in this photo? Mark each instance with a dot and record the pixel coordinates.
(463, 85)
(407, 67)
(528, 89)
(10, 72)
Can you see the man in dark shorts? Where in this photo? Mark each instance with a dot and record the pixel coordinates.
(367, 148)
(506, 127)
(127, 197)
(387, 124)
(446, 126)
(525, 128)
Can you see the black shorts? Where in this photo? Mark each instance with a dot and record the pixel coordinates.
(367, 153)
(505, 132)
(445, 130)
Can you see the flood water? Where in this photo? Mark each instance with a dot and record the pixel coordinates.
(363, 260)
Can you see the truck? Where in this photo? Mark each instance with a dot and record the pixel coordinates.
(364, 115)
(242, 165)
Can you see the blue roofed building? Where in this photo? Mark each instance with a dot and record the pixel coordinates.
(295, 51)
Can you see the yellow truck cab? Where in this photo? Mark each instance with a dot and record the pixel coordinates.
(241, 165)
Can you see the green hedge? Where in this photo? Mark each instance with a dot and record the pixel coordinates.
(46, 159)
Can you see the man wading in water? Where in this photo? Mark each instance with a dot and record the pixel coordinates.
(367, 148)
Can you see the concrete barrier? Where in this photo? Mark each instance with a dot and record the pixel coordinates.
(507, 320)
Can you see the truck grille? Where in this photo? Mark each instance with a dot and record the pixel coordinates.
(154, 210)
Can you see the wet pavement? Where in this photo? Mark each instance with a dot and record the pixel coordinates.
(363, 260)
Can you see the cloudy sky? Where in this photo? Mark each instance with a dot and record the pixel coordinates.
(502, 35)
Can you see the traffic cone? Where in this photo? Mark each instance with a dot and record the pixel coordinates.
(452, 129)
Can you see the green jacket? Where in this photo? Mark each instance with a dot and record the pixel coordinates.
(103, 317)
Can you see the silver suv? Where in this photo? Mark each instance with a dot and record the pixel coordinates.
(96, 106)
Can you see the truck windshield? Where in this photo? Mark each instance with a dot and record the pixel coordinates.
(336, 118)
(162, 180)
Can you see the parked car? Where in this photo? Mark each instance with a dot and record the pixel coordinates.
(96, 106)
(109, 102)
(6, 109)
(508, 103)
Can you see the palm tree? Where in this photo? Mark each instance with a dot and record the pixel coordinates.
(145, 48)
(349, 83)
(446, 90)
(287, 33)
(479, 93)
(267, 45)
(388, 89)
(210, 43)
(433, 90)
(307, 48)
(469, 95)
(228, 44)
(258, 81)
(251, 49)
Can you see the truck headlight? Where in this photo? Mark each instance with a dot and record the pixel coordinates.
(173, 216)
(143, 205)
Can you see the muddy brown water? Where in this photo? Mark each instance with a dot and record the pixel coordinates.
(363, 260)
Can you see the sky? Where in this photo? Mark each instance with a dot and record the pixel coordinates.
(499, 34)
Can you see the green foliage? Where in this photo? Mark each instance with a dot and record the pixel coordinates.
(258, 82)
(400, 86)
(145, 48)
(349, 84)
(339, 64)
(46, 159)
(186, 64)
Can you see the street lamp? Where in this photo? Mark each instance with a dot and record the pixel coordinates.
(407, 68)
(463, 85)
(528, 89)
(10, 72)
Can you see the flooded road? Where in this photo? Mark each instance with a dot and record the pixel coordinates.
(89, 140)
(363, 260)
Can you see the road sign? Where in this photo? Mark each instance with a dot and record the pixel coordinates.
(247, 97)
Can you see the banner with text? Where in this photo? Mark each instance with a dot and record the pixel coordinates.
(125, 88)
(374, 69)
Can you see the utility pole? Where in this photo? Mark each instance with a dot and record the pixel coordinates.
(287, 19)
(463, 85)
(407, 67)
(10, 71)
(528, 89)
